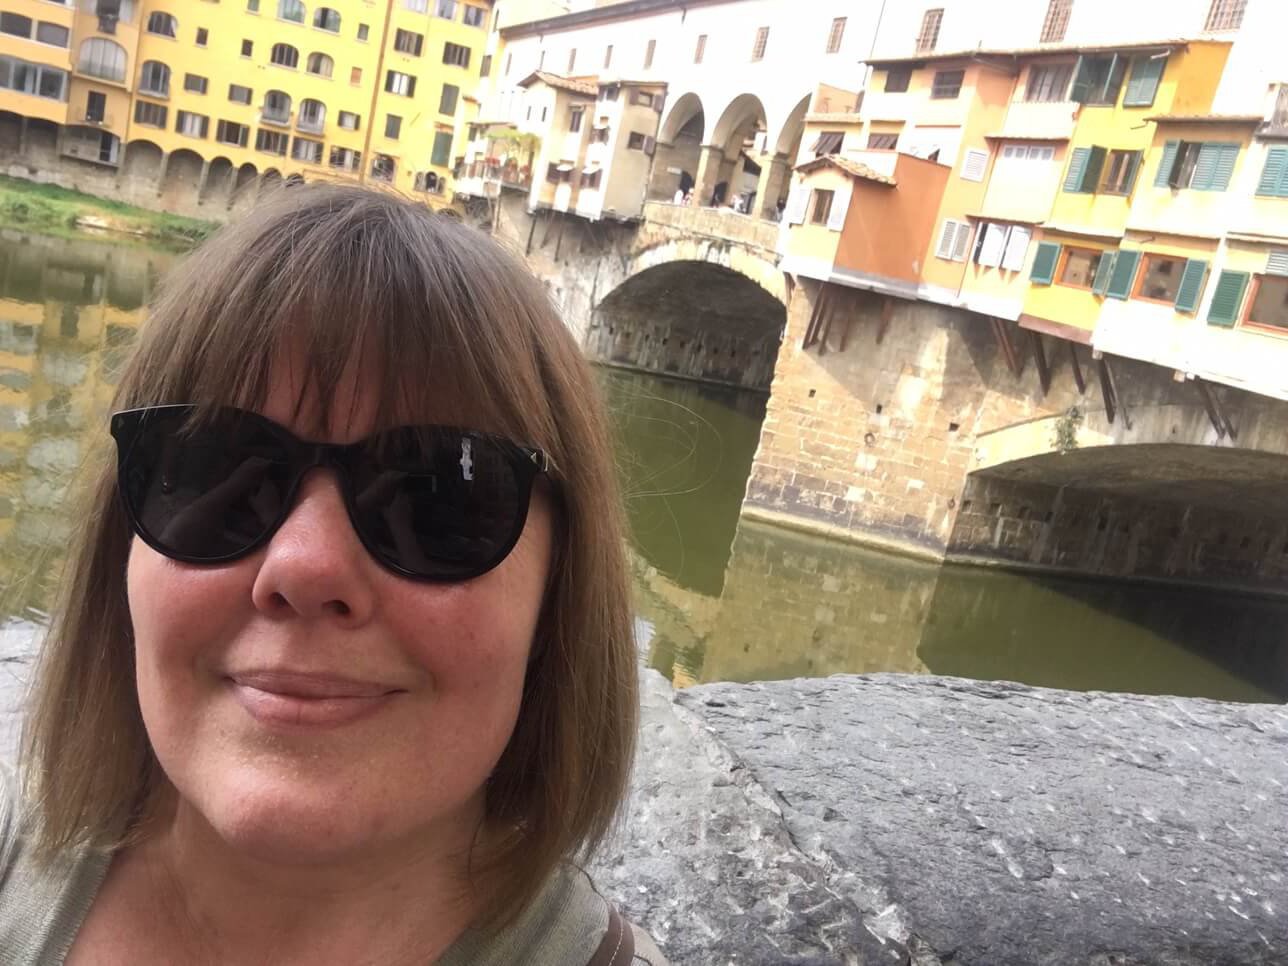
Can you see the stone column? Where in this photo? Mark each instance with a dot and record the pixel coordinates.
(710, 161)
(22, 136)
(165, 165)
(773, 172)
(201, 181)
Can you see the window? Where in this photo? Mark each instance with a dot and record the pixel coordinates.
(572, 61)
(758, 48)
(835, 34)
(575, 116)
(194, 83)
(153, 115)
(383, 167)
(446, 9)
(1002, 246)
(53, 34)
(460, 56)
(1274, 176)
(277, 108)
(324, 18)
(393, 126)
(931, 21)
(312, 116)
(829, 142)
(348, 120)
(154, 79)
(1029, 152)
(306, 150)
(271, 142)
(400, 83)
(102, 58)
(37, 79)
(441, 153)
(699, 51)
(1048, 83)
(559, 173)
(447, 101)
(1078, 269)
(247, 48)
(1142, 87)
(240, 94)
(252, 6)
(649, 50)
(16, 25)
(1270, 302)
(364, 32)
(609, 92)
(608, 57)
(1056, 23)
(898, 79)
(882, 142)
(203, 36)
(192, 125)
(822, 206)
(229, 132)
(485, 66)
(1098, 80)
(473, 16)
(974, 164)
(163, 24)
(592, 179)
(355, 75)
(954, 241)
(409, 42)
(947, 84)
(1225, 15)
(417, 6)
(292, 10)
(1161, 279)
(284, 55)
(635, 141)
(346, 158)
(1120, 172)
(1201, 165)
(320, 64)
(644, 99)
(95, 107)
(1085, 166)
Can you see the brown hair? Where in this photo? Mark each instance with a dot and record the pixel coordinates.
(437, 311)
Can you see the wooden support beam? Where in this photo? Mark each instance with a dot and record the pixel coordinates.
(887, 313)
(532, 230)
(1076, 366)
(816, 317)
(1003, 335)
(1040, 360)
(563, 223)
(1109, 389)
(1216, 412)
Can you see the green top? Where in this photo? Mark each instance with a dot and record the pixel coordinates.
(41, 909)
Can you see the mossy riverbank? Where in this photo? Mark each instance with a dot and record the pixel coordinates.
(51, 210)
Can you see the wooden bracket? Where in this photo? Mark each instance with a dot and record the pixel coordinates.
(1109, 390)
(1040, 360)
(1002, 333)
(815, 329)
(1215, 411)
(887, 313)
(1076, 366)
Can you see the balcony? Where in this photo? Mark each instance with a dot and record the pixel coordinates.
(309, 125)
(279, 118)
(98, 118)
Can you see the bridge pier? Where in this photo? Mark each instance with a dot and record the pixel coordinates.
(772, 175)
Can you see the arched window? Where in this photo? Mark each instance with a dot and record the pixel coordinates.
(320, 64)
(312, 114)
(292, 10)
(284, 55)
(277, 107)
(324, 18)
(154, 79)
(163, 24)
(102, 58)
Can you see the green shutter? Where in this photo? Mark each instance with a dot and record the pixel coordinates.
(1166, 165)
(442, 151)
(1081, 81)
(1191, 287)
(1146, 72)
(1214, 166)
(1095, 164)
(1134, 164)
(1124, 274)
(1273, 174)
(1104, 270)
(1044, 263)
(1226, 155)
(1227, 300)
(1077, 165)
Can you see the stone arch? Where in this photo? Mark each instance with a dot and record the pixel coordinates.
(10, 133)
(269, 182)
(787, 141)
(220, 177)
(727, 170)
(679, 146)
(744, 114)
(41, 146)
(756, 265)
(140, 171)
(243, 193)
(182, 180)
(682, 113)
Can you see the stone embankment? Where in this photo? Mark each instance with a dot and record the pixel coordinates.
(892, 819)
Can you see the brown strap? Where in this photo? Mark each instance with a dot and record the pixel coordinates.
(618, 946)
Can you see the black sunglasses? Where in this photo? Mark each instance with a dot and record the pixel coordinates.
(428, 502)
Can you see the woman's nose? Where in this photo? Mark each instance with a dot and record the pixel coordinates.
(315, 566)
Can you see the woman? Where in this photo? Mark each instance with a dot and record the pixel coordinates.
(343, 668)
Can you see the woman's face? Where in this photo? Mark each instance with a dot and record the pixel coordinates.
(308, 703)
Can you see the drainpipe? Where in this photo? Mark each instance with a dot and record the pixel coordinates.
(365, 164)
(876, 32)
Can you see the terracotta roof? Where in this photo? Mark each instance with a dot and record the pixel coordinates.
(578, 85)
(1206, 118)
(933, 55)
(852, 168)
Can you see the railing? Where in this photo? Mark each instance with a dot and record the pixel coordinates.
(275, 117)
(103, 120)
(310, 125)
(715, 222)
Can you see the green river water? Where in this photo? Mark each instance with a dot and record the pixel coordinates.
(718, 598)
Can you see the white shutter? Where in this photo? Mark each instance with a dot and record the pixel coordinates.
(840, 205)
(797, 199)
(947, 236)
(1277, 262)
(975, 163)
(962, 245)
(990, 254)
(1017, 247)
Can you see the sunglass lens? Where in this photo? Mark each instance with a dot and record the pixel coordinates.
(438, 503)
(208, 491)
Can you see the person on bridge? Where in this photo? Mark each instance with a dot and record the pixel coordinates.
(343, 670)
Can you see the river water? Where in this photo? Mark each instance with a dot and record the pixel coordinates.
(718, 598)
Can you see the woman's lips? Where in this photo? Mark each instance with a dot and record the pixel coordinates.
(295, 700)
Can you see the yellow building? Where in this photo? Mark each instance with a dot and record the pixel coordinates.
(184, 104)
